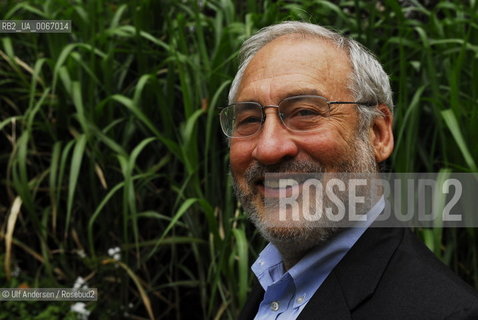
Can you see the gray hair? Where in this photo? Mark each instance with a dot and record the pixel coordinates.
(368, 81)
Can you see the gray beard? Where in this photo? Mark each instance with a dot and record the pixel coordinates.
(293, 243)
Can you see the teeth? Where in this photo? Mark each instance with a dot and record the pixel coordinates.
(287, 182)
(272, 183)
(269, 183)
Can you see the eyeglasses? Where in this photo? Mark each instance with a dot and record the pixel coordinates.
(302, 113)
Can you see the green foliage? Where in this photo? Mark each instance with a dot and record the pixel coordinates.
(30, 310)
(111, 139)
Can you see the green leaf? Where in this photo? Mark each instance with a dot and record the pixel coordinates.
(78, 154)
(454, 127)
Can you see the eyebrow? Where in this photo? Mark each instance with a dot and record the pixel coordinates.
(291, 93)
(300, 92)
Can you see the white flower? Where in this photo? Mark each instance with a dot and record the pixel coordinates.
(16, 271)
(79, 308)
(81, 253)
(80, 283)
(115, 253)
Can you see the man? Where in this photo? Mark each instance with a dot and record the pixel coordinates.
(308, 100)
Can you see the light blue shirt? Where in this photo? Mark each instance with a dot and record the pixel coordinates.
(287, 293)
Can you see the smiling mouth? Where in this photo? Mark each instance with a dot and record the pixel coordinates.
(278, 186)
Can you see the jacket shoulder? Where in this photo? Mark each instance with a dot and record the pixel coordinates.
(416, 285)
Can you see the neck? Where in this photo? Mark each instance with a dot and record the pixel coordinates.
(290, 252)
(293, 250)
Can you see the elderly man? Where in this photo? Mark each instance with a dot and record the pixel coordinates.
(308, 100)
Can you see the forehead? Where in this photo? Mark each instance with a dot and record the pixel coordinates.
(294, 64)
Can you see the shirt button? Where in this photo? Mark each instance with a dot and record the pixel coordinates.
(300, 299)
(274, 306)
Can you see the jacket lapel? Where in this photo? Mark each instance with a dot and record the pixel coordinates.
(328, 302)
(356, 276)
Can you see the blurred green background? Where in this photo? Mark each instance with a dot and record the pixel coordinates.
(114, 169)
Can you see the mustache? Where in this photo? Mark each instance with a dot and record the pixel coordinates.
(257, 171)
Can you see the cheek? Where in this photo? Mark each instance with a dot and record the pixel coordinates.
(240, 157)
(326, 148)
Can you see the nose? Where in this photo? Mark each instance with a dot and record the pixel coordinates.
(274, 143)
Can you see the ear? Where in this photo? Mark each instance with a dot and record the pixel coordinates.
(381, 135)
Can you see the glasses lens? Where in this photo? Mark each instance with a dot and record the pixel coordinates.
(304, 113)
(241, 119)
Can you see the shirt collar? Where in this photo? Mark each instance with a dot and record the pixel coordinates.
(310, 272)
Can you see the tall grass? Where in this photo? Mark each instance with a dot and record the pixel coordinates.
(111, 140)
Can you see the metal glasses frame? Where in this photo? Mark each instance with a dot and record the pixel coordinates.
(362, 103)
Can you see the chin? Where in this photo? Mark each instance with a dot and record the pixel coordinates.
(301, 236)
(283, 233)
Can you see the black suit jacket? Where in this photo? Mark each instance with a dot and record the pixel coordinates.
(388, 274)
